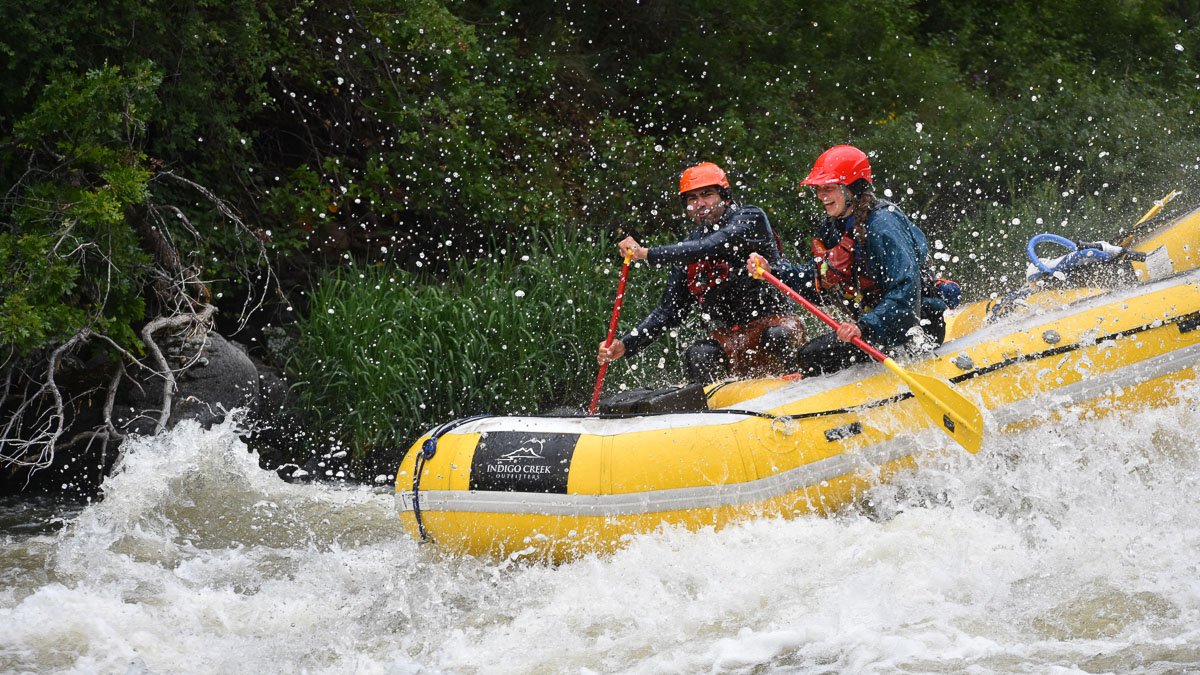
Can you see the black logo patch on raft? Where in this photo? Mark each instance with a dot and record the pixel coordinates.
(519, 461)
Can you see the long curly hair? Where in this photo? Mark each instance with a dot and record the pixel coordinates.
(861, 205)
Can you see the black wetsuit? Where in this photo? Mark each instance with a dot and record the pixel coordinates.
(708, 271)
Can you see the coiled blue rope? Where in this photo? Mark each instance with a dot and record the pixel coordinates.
(1077, 256)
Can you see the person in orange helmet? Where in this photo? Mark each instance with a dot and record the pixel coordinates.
(756, 330)
(868, 259)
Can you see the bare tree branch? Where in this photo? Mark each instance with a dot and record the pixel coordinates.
(252, 303)
(33, 444)
(148, 331)
(38, 451)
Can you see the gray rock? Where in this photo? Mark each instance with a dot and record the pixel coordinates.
(221, 379)
(213, 376)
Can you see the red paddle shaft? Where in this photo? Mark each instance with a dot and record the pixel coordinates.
(612, 331)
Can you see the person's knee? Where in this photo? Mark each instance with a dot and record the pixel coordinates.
(826, 354)
(706, 361)
(780, 343)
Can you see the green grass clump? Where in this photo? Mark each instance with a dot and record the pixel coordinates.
(383, 354)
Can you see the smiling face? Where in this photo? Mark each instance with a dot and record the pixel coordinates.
(834, 198)
(704, 205)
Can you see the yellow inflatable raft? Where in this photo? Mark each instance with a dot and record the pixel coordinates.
(558, 487)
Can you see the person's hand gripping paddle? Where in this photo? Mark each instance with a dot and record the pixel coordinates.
(957, 416)
(612, 331)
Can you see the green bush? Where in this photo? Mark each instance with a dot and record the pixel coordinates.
(71, 260)
(432, 131)
(384, 354)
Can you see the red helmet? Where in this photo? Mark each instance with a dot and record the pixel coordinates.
(841, 164)
(702, 175)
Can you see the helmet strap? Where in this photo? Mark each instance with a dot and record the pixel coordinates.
(849, 197)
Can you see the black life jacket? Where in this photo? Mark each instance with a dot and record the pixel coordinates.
(703, 275)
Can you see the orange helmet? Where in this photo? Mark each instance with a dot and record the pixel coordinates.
(702, 175)
(841, 165)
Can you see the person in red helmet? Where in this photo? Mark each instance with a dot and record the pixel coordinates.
(868, 259)
(756, 330)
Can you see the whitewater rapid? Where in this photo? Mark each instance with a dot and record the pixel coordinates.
(1067, 548)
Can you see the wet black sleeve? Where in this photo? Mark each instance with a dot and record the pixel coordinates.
(747, 231)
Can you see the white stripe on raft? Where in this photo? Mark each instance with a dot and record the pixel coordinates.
(1094, 387)
(749, 492)
(678, 499)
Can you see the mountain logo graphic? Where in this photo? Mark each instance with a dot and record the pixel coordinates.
(524, 452)
(523, 461)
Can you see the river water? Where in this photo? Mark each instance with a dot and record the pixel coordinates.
(1072, 547)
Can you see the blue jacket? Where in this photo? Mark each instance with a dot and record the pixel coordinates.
(734, 302)
(893, 255)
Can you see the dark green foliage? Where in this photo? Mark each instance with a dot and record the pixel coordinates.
(383, 354)
(70, 260)
(429, 131)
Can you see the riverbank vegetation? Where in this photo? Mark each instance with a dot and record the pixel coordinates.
(457, 173)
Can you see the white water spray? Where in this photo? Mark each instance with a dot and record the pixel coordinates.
(1066, 548)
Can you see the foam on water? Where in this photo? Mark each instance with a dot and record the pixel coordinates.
(1065, 548)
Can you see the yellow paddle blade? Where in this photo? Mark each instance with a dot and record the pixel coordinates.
(1158, 206)
(952, 412)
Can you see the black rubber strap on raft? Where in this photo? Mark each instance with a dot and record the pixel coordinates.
(1186, 323)
(735, 411)
(428, 450)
